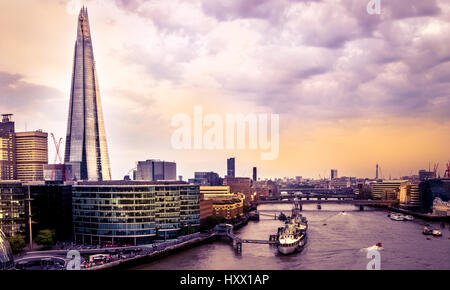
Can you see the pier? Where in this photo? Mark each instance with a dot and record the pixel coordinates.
(226, 230)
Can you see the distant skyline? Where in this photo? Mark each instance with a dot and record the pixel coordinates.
(352, 89)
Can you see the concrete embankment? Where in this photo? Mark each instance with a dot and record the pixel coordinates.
(143, 259)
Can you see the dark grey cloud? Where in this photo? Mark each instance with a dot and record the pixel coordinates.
(128, 5)
(226, 10)
(355, 64)
(17, 95)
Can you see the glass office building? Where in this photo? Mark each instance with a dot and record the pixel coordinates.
(132, 212)
(154, 170)
(86, 148)
(231, 167)
(7, 148)
(13, 207)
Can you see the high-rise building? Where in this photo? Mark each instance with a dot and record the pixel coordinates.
(379, 188)
(231, 167)
(154, 170)
(86, 147)
(255, 174)
(334, 173)
(7, 148)
(31, 155)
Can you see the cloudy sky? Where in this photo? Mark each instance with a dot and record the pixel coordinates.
(351, 89)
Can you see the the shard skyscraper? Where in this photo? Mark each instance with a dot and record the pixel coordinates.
(86, 148)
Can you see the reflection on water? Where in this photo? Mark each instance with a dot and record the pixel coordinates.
(336, 240)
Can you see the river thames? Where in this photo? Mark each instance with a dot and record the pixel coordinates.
(336, 241)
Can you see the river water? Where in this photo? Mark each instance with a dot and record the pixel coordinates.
(336, 240)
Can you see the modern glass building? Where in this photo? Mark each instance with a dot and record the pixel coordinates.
(13, 207)
(132, 212)
(6, 255)
(231, 167)
(154, 170)
(86, 148)
(190, 206)
(7, 148)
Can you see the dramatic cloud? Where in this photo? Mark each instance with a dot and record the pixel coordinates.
(327, 67)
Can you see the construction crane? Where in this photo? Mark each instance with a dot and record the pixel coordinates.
(436, 165)
(58, 156)
(381, 173)
(447, 171)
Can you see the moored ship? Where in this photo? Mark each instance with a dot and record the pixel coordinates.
(292, 237)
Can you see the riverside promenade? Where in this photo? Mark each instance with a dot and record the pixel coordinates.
(157, 251)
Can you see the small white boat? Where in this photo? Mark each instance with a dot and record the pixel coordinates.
(409, 217)
(436, 233)
(397, 217)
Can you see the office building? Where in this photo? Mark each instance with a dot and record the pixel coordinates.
(334, 174)
(86, 147)
(207, 178)
(7, 148)
(155, 170)
(378, 188)
(31, 155)
(231, 167)
(424, 175)
(133, 212)
(241, 185)
(13, 208)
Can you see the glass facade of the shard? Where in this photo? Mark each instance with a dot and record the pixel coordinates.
(86, 148)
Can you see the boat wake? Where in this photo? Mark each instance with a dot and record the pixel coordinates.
(377, 247)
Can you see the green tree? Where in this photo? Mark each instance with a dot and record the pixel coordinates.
(190, 230)
(45, 238)
(157, 235)
(17, 243)
(210, 222)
